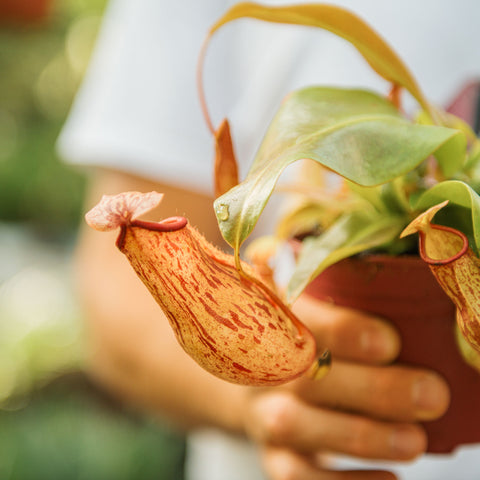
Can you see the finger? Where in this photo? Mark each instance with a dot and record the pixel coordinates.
(280, 419)
(282, 464)
(348, 333)
(394, 393)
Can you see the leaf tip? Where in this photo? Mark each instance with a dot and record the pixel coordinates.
(226, 169)
(423, 221)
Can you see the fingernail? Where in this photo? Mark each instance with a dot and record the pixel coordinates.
(430, 396)
(381, 343)
(407, 443)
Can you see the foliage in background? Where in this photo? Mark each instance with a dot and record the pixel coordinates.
(71, 430)
(42, 64)
(63, 429)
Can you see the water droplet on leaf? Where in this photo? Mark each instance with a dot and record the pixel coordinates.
(222, 212)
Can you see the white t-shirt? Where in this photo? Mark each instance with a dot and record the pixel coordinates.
(138, 110)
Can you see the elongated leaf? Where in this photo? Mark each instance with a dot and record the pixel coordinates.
(471, 164)
(306, 219)
(341, 22)
(451, 157)
(372, 195)
(459, 194)
(389, 197)
(355, 133)
(351, 234)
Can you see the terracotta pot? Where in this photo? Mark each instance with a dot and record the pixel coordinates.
(403, 290)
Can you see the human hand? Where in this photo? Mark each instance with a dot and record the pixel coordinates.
(364, 407)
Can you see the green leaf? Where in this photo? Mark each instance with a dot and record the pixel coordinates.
(313, 216)
(342, 23)
(307, 218)
(389, 197)
(352, 233)
(473, 158)
(394, 196)
(452, 155)
(459, 194)
(372, 195)
(355, 133)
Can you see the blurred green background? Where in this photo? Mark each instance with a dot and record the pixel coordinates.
(54, 422)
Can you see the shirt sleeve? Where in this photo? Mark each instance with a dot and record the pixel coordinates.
(138, 109)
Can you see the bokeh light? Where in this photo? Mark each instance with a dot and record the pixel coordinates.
(55, 422)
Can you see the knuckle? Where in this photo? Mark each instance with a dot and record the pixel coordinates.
(280, 420)
(301, 387)
(283, 465)
(290, 471)
(381, 387)
(359, 437)
(390, 393)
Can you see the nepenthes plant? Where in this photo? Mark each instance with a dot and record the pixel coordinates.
(392, 169)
